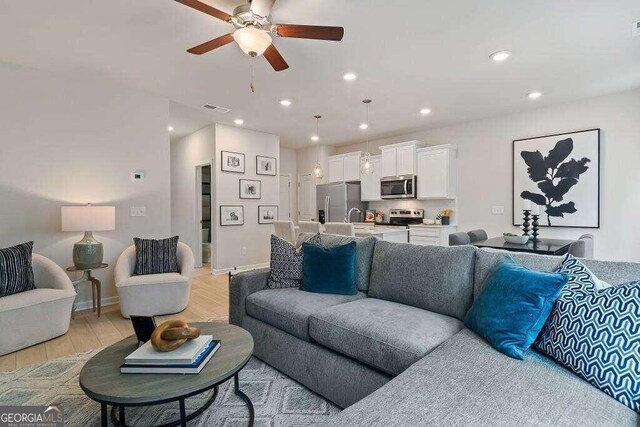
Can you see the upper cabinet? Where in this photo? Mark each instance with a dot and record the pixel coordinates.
(436, 171)
(370, 183)
(344, 167)
(399, 159)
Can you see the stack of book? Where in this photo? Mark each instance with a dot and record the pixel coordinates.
(190, 358)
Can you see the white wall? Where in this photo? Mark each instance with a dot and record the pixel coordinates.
(230, 241)
(187, 153)
(67, 142)
(289, 165)
(485, 157)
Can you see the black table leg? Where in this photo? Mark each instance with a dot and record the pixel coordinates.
(183, 414)
(244, 397)
(103, 415)
(121, 415)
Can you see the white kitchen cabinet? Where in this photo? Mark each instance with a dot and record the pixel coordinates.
(344, 167)
(436, 172)
(436, 235)
(370, 183)
(399, 159)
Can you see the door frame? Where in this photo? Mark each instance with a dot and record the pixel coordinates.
(198, 214)
(288, 175)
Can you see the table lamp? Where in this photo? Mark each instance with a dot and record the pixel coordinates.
(87, 253)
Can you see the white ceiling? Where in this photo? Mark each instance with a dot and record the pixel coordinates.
(407, 54)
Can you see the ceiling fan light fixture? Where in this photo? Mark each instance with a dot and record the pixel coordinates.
(252, 41)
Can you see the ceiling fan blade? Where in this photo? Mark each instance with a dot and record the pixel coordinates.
(310, 32)
(275, 59)
(211, 44)
(205, 8)
(262, 8)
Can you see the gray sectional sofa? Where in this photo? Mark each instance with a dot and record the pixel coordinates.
(398, 353)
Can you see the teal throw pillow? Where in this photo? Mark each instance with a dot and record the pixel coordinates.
(330, 269)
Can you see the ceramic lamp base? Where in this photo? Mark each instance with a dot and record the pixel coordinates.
(87, 253)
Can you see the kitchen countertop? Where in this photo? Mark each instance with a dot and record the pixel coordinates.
(432, 226)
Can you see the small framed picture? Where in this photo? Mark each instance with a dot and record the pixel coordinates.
(250, 189)
(267, 214)
(266, 165)
(232, 162)
(231, 215)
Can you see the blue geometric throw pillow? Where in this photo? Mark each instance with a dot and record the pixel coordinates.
(596, 334)
(286, 263)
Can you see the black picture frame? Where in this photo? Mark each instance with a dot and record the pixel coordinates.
(260, 216)
(222, 219)
(229, 169)
(258, 184)
(515, 206)
(275, 166)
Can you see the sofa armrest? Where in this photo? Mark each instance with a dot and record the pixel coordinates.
(125, 265)
(47, 274)
(241, 286)
(185, 260)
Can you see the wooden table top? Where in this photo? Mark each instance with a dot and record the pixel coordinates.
(544, 246)
(102, 381)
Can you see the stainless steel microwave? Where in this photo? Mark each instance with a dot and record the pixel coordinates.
(398, 187)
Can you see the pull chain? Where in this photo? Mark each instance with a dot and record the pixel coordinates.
(253, 88)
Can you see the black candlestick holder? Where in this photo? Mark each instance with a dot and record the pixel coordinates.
(525, 222)
(534, 228)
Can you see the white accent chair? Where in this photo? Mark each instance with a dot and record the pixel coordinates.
(285, 230)
(31, 317)
(153, 294)
(341, 228)
(312, 227)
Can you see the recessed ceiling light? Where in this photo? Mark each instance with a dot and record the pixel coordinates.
(349, 76)
(238, 122)
(425, 111)
(285, 102)
(170, 128)
(364, 126)
(534, 95)
(315, 138)
(500, 56)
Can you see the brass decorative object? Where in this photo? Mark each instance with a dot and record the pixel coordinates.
(172, 334)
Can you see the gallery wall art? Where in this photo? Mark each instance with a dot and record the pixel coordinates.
(266, 165)
(231, 215)
(232, 162)
(561, 174)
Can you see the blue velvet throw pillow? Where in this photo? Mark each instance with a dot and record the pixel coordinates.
(330, 269)
(514, 306)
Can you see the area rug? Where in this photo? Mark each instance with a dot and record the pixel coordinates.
(277, 399)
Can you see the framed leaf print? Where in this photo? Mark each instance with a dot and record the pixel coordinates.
(561, 174)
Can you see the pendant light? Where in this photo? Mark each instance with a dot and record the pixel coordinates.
(317, 169)
(366, 167)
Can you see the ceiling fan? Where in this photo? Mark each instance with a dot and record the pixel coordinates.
(254, 31)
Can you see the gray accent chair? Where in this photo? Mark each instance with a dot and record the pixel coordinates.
(397, 353)
(583, 247)
(477, 235)
(459, 238)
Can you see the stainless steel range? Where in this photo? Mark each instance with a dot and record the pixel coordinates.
(404, 217)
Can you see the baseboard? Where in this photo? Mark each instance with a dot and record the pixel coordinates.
(241, 268)
(88, 305)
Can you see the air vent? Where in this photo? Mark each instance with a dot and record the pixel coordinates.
(636, 29)
(216, 108)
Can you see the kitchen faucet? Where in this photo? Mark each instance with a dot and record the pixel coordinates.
(348, 218)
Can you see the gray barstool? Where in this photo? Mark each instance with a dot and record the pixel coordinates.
(583, 247)
(459, 238)
(477, 235)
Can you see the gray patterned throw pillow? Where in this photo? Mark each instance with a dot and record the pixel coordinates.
(156, 256)
(286, 263)
(16, 274)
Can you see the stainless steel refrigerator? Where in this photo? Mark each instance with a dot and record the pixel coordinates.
(334, 201)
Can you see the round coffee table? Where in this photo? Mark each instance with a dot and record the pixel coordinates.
(102, 381)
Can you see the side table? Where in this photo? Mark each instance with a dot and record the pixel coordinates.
(96, 287)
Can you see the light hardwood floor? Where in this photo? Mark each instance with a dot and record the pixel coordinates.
(209, 300)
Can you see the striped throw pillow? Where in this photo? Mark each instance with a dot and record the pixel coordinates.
(16, 274)
(156, 256)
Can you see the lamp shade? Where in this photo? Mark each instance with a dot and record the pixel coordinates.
(252, 41)
(88, 218)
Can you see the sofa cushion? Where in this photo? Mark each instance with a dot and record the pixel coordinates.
(364, 255)
(153, 279)
(438, 279)
(383, 334)
(33, 298)
(289, 309)
(466, 382)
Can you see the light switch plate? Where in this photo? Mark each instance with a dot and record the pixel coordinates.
(497, 210)
(138, 211)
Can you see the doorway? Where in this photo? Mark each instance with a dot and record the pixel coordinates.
(204, 248)
(285, 205)
(306, 197)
